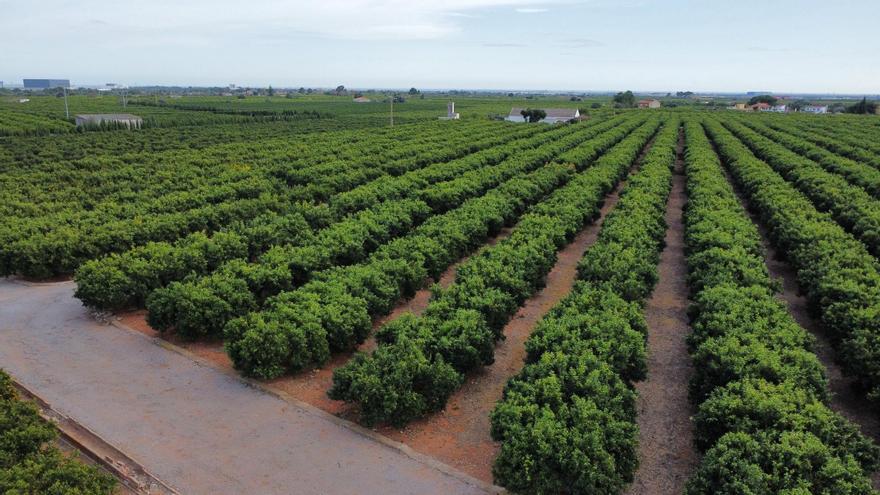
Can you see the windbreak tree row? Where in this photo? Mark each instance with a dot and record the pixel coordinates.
(124, 280)
(566, 422)
(202, 306)
(421, 361)
(851, 206)
(762, 421)
(835, 271)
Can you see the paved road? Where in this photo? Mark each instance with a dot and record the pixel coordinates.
(196, 428)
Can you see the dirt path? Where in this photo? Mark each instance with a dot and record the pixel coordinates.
(199, 429)
(459, 435)
(666, 453)
(845, 399)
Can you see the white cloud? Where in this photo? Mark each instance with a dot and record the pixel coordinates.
(215, 19)
(530, 10)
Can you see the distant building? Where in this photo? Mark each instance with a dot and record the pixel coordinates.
(46, 83)
(649, 103)
(740, 106)
(450, 112)
(779, 108)
(815, 109)
(24, 100)
(361, 99)
(760, 107)
(554, 115)
(127, 119)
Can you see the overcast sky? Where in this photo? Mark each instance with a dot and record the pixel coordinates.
(710, 45)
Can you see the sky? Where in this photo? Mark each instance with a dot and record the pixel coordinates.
(796, 46)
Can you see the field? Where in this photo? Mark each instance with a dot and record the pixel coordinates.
(644, 301)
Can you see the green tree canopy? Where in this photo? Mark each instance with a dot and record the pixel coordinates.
(863, 107)
(625, 99)
(768, 99)
(533, 114)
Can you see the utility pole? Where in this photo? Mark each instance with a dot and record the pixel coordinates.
(66, 108)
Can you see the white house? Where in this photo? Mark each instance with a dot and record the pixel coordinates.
(779, 108)
(815, 109)
(554, 115)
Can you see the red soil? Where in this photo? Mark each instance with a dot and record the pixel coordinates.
(666, 453)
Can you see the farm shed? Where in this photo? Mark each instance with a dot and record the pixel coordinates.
(119, 118)
(554, 115)
(649, 103)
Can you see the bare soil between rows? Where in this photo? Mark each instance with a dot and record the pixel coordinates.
(666, 453)
(458, 435)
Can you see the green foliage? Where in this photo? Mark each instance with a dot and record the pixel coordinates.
(762, 416)
(566, 422)
(463, 322)
(773, 463)
(863, 107)
(768, 99)
(533, 114)
(625, 99)
(30, 463)
(837, 273)
(400, 266)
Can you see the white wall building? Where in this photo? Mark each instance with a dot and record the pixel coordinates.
(450, 112)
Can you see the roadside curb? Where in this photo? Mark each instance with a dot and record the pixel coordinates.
(317, 412)
(128, 471)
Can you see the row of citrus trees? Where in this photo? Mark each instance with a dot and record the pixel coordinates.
(332, 312)
(855, 172)
(25, 124)
(56, 243)
(351, 222)
(459, 329)
(29, 152)
(837, 273)
(567, 420)
(762, 418)
(846, 140)
(192, 308)
(851, 206)
(120, 185)
(29, 461)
